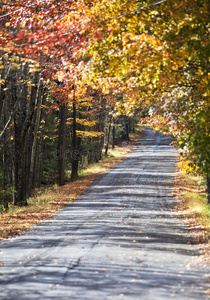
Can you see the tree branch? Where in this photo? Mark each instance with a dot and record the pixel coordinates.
(10, 119)
(137, 10)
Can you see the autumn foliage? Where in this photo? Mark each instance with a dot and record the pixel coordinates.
(76, 69)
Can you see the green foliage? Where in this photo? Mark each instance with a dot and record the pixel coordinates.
(6, 197)
(8, 192)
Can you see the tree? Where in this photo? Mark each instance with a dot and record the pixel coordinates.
(38, 40)
(157, 55)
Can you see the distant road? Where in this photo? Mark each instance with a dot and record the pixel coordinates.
(120, 240)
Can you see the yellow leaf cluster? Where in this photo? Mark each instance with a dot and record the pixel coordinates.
(84, 134)
(86, 122)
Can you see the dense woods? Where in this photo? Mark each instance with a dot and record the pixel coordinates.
(75, 76)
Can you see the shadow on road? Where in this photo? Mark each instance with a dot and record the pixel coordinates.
(120, 240)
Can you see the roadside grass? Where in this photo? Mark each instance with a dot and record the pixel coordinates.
(193, 208)
(47, 201)
(114, 156)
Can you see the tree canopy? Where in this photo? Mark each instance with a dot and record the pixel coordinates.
(157, 52)
(147, 55)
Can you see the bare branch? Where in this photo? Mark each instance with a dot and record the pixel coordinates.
(137, 10)
(10, 119)
(15, 11)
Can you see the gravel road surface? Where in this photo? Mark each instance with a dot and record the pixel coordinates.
(120, 240)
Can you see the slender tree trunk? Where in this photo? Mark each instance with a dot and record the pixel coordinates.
(62, 143)
(102, 117)
(74, 154)
(113, 133)
(6, 159)
(34, 144)
(208, 189)
(40, 161)
(19, 152)
(19, 164)
(19, 145)
(22, 122)
(127, 128)
(107, 139)
(2, 98)
(29, 151)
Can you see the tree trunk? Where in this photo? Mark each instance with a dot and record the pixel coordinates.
(2, 97)
(40, 161)
(62, 143)
(127, 129)
(102, 117)
(74, 154)
(29, 151)
(19, 164)
(34, 144)
(22, 122)
(208, 189)
(107, 139)
(113, 133)
(6, 159)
